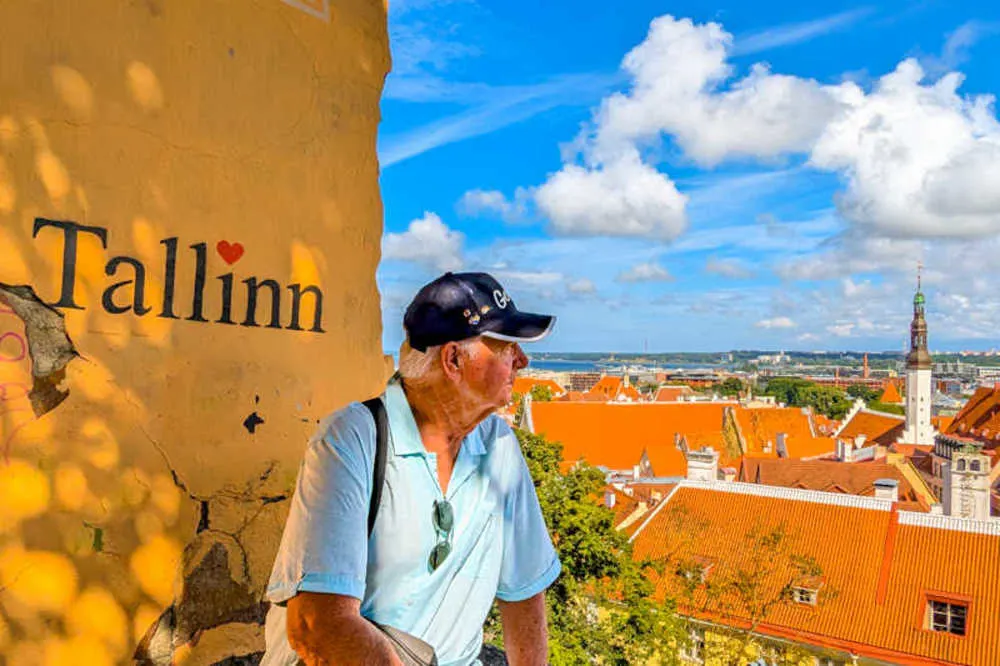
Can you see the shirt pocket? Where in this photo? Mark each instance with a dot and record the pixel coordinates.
(484, 558)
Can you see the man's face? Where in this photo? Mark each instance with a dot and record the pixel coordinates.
(491, 369)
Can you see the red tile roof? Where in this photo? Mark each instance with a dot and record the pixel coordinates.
(891, 394)
(980, 418)
(760, 427)
(524, 385)
(607, 387)
(878, 428)
(829, 476)
(672, 393)
(878, 567)
(614, 435)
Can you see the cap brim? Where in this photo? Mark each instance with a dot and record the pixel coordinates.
(523, 327)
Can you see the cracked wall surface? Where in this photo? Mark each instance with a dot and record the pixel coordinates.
(190, 224)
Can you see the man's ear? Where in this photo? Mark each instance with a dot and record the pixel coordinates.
(451, 360)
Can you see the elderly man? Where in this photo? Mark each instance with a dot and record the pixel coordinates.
(458, 523)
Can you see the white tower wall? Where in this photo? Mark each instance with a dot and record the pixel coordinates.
(918, 407)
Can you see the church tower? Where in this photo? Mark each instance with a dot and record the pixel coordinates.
(918, 378)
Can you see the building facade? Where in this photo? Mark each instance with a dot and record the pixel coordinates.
(190, 225)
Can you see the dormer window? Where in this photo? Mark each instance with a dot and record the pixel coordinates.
(805, 595)
(947, 616)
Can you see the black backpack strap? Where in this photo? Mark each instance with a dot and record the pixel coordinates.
(378, 413)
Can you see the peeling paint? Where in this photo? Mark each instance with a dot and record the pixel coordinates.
(49, 346)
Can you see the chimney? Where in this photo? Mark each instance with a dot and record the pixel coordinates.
(887, 489)
(703, 465)
(609, 498)
(845, 450)
(782, 445)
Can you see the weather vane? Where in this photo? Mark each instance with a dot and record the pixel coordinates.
(920, 267)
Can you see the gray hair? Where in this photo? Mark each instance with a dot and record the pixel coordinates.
(416, 366)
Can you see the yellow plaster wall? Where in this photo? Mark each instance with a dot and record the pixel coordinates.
(248, 122)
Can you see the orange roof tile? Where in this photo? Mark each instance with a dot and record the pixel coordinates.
(607, 387)
(878, 428)
(828, 476)
(614, 435)
(979, 419)
(524, 385)
(879, 564)
(624, 506)
(942, 423)
(891, 395)
(630, 392)
(672, 393)
(760, 428)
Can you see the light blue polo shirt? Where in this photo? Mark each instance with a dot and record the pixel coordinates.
(500, 545)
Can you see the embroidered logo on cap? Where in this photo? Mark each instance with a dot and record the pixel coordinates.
(501, 298)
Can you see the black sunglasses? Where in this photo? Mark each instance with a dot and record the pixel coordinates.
(444, 521)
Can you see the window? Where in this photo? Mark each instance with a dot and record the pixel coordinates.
(961, 464)
(805, 595)
(946, 617)
(694, 648)
(974, 466)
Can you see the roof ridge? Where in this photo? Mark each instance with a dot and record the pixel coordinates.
(652, 514)
(794, 494)
(989, 527)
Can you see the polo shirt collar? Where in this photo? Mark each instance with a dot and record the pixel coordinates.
(405, 435)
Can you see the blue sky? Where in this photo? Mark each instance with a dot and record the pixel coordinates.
(666, 177)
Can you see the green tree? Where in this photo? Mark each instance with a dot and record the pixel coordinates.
(827, 400)
(731, 386)
(601, 608)
(541, 393)
(861, 391)
(797, 392)
(787, 389)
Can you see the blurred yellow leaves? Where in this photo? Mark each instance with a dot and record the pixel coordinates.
(70, 486)
(154, 565)
(24, 493)
(96, 614)
(40, 580)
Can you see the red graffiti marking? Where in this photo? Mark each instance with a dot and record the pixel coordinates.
(230, 252)
(20, 356)
(15, 383)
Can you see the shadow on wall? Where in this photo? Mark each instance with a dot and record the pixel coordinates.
(109, 552)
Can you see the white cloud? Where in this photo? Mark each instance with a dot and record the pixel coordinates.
(730, 268)
(841, 330)
(476, 203)
(621, 197)
(428, 241)
(776, 322)
(678, 73)
(919, 160)
(796, 33)
(581, 286)
(531, 278)
(645, 273)
(957, 46)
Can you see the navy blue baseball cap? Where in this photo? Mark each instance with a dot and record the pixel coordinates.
(458, 306)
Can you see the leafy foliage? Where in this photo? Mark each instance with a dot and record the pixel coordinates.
(601, 609)
(541, 393)
(797, 392)
(731, 386)
(887, 408)
(864, 392)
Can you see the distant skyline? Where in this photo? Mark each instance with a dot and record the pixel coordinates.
(758, 175)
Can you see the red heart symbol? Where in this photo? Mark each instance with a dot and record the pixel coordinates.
(230, 252)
